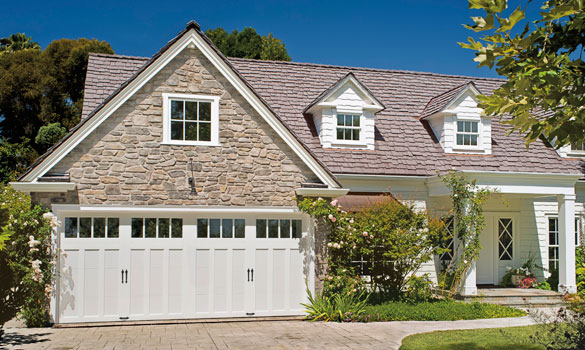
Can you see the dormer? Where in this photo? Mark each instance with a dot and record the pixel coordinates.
(344, 115)
(458, 123)
(574, 150)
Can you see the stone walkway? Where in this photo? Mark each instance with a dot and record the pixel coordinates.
(238, 335)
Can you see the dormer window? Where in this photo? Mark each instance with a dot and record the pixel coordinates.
(348, 127)
(467, 133)
(578, 147)
(458, 123)
(344, 115)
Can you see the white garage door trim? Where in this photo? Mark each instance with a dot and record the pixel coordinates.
(180, 278)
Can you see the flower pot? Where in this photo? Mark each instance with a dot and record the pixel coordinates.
(516, 279)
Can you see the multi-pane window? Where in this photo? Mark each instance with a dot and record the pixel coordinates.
(467, 133)
(90, 227)
(578, 146)
(448, 242)
(190, 120)
(505, 239)
(275, 228)
(553, 241)
(157, 227)
(221, 228)
(348, 127)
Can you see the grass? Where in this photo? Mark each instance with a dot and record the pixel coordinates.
(440, 310)
(516, 338)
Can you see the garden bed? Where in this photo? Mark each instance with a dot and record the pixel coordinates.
(440, 310)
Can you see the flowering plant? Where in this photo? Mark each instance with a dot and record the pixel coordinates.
(528, 282)
(27, 261)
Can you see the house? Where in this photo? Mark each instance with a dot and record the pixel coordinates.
(177, 190)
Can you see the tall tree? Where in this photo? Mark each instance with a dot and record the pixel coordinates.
(542, 61)
(18, 41)
(248, 44)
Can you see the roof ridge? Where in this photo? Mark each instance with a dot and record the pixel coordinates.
(118, 56)
(364, 68)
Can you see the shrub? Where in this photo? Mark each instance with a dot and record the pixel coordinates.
(343, 281)
(563, 331)
(27, 261)
(340, 307)
(418, 289)
(544, 286)
(580, 270)
(48, 135)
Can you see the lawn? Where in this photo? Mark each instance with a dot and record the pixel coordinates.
(440, 310)
(516, 338)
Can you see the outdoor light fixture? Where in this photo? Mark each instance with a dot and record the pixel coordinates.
(192, 179)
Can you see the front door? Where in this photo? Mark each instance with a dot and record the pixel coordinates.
(497, 247)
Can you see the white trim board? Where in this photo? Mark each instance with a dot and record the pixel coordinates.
(191, 37)
(172, 209)
(28, 187)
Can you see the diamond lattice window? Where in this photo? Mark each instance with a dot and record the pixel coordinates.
(506, 239)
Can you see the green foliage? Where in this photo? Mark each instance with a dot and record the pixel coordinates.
(580, 270)
(248, 44)
(341, 307)
(14, 158)
(516, 338)
(342, 281)
(544, 285)
(564, 330)
(393, 237)
(418, 289)
(27, 259)
(542, 62)
(48, 135)
(443, 310)
(16, 42)
(467, 210)
(42, 87)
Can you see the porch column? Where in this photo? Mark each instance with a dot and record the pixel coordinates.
(470, 283)
(567, 282)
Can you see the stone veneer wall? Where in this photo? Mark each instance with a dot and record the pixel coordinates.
(124, 163)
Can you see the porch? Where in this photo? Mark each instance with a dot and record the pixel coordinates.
(517, 229)
(516, 297)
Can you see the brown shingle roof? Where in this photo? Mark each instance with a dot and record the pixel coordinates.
(405, 145)
(441, 101)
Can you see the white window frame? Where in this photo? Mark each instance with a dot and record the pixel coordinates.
(578, 229)
(214, 100)
(348, 111)
(479, 145)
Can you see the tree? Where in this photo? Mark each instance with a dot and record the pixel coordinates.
(14, 158)
(542, 61)
(18, 41)
(49, 135)
(248, 44)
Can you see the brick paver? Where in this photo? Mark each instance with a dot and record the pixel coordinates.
(237, 335)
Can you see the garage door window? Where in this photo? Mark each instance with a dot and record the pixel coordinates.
(275, 228)
(157, 227)
(221, 228)
(90, 227)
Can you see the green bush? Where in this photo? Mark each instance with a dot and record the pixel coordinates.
(418, 289)
(340, 307)
(439, 311)
(343, 281)
(544, 286)
(580, 270)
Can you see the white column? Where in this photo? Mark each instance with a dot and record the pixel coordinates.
(470, 283)
(567, 283)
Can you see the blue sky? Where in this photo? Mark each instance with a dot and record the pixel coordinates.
(396, 34)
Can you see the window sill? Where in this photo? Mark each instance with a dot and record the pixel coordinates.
(576, 154)
(190, 143)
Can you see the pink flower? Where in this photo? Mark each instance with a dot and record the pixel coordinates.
(329, 244)
(334, 202)
(351, 221)
(365, 234)
(332, 218)
(371, 236)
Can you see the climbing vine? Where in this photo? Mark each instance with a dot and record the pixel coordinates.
(467, 211)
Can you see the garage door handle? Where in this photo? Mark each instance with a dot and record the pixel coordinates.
(252, 275)
(126, 277)
(122, 276)
(248, 275)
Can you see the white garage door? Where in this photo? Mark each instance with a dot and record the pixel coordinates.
(146, 267)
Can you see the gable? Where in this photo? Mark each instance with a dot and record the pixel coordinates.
(191, 37)
(125, 160)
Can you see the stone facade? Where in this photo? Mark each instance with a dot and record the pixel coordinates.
(123, 162)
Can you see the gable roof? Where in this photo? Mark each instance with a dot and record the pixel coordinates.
(191, 36)
(405, 145)
(349, 77)
(442, 101)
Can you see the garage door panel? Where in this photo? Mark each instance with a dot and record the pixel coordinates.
(70, 283)
(91, 280)
(279, 279)
(239, 280)
(156, 282)
(202, 280)
(112, 282)
(175, 275)
(296, 285)
(261, 282)
(136, 277)
(221, 276)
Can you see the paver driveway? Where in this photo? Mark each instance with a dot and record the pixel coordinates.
(237, 335)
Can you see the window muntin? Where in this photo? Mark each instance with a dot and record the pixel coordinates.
(578, 147)
(275, 228)
(157, 227)
(448, 243)
(467, 133)
(553, 240)
(348, 127)
(505, 239)
(221, 228)
(190, 120)
(92, 227)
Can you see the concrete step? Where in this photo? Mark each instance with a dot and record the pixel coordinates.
(518, 298)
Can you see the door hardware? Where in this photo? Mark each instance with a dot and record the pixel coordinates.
(250, 313)
(248, 275)
(252, 275)
(127, 276)
(122, 276)
(124, 318)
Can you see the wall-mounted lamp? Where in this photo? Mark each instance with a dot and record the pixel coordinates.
(192, 179)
